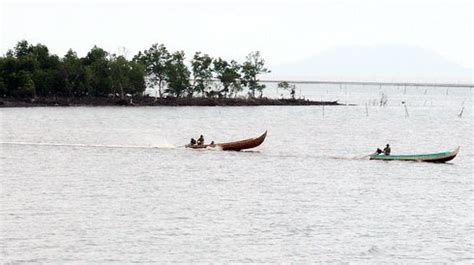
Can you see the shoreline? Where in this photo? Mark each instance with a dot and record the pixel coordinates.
(150, 101)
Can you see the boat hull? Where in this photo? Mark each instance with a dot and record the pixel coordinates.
(233, 146)
(433, 158)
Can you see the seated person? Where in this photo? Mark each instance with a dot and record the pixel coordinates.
(192, 142)
(200, 141)
(387, 150)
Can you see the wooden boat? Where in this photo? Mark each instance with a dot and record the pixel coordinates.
(435, 158)
(233, 146)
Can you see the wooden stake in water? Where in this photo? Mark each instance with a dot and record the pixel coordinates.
(460, 113)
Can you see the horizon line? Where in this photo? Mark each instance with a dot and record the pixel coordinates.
(332, 82)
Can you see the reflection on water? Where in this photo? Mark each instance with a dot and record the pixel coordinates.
(114, 184)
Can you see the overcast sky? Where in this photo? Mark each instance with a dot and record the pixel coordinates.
(284, 31)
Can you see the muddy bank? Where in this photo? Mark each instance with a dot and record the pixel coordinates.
(150, 101)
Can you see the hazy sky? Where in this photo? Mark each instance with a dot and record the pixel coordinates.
(283, 31)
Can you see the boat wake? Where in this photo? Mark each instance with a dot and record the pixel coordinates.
(365, 157)
(93, 145)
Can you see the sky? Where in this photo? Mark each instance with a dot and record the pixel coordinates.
(283, 31)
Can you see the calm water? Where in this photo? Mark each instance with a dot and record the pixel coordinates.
(111, 184)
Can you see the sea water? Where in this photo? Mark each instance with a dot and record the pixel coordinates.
(115, 185)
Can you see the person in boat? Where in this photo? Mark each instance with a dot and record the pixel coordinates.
(200, 141)
(379, 151)
(387, 150)
(192, 142)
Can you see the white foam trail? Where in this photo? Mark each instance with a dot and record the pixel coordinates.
(215, 148)
(93, 145)
(365, 157)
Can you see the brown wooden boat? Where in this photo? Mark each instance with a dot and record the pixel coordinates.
(233, 146)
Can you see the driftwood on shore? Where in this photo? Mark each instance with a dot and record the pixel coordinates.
(150, 101)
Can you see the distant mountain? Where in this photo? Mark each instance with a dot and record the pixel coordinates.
(374, 63)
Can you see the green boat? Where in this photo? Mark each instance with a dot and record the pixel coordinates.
(435, 158)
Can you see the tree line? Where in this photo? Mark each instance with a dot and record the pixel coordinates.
(29, 71)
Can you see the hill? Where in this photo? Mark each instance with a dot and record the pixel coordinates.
(374, 63)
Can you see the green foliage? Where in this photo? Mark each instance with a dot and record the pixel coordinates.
(3, 88)
(119, 69)
(155, 62)
(31, 71)
(21, 49)
(48, 77)
(18, 69)
(127, 77)
(229, 76)
(177, 75)
(77, 76)
(26, 86)
(3, 83)
(8, 68)
(286, 86)
(136, 79)
(252, 67)
(201, 66)
(234, 73)
(101, 82)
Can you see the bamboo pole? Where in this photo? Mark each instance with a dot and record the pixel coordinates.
(460, 113)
